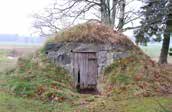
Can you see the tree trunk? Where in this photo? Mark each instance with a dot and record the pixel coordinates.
(105, 14)
(166, 40)
(165, 47)
(108, 12)
(113, 16)
(122, 4)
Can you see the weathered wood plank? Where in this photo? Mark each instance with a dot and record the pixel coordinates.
(85, 65)
(93, 70)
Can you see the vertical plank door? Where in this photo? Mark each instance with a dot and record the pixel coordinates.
(92, 70)
(85, 69)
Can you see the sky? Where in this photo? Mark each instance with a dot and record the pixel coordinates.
(16, 15)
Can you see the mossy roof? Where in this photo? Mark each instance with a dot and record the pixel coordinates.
(92, 32)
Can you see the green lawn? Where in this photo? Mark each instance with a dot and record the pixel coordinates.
(149, 104)
(154, 50)
(5, 62)
(9, 103)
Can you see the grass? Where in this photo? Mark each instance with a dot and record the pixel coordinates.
(91, 32)
(36, 85)
(132, 105)
(5, 62)
(154, 50)
(36, 77)
(10, 103)
(135, 76)
(3, 55)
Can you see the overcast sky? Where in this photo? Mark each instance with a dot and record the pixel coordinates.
(15, 15)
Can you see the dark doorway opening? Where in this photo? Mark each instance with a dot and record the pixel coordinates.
(93, 91)
(78, 85)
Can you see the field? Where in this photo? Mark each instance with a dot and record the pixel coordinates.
(153, 50)
(10, 53)
(94, 103)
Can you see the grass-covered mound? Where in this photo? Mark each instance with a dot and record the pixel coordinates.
(37, 85)
(36, 77)
(136, 75)
(92, 32)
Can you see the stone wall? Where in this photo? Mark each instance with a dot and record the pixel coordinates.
(61, 53)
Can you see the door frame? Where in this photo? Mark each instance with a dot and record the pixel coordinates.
(77, 68)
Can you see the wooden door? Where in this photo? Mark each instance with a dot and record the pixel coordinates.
(92, 70)
(85, 69)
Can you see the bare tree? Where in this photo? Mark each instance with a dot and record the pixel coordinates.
(65, 13)
(122, 4)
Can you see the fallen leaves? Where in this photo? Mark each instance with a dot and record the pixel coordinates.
(138, 77)
(145, 77)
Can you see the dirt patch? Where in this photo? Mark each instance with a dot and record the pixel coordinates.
(89, 91)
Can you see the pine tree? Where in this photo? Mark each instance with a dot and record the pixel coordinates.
(168, 29)
(156, 22)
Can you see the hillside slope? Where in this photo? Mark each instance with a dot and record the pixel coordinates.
(132, 84)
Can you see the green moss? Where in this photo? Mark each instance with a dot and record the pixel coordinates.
(36, 77)
(123, 70)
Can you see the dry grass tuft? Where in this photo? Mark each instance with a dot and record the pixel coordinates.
(92, 32)
(135, 76)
